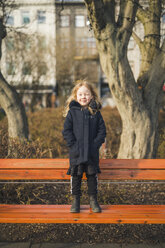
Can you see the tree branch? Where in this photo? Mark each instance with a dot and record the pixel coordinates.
(155, 7)
(121, 13)
(101, 14)
(109, 6)
(127, 19)
(149, 48)
(142, 15)
(137, 40)
(129, 14)
(96, 14)
(156, 78)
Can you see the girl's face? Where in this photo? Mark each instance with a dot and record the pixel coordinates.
(84, 96)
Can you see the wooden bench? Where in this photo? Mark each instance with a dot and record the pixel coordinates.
(50, 169)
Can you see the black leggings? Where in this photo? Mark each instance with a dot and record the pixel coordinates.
(92, 183)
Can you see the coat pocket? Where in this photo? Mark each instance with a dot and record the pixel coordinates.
(94, 147)
(74, 150)
(94, 152)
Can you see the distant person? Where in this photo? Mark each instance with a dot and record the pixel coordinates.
(26, 106)
(164, 88)
(38, 106)
(53, 100)
(84, 132)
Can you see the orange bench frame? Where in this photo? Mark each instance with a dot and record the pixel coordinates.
(55, 169)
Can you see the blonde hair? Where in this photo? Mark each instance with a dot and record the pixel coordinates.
(73, 96)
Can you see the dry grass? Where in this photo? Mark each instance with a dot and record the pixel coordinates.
(46, 141)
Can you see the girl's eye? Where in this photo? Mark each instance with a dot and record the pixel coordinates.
(86, 94)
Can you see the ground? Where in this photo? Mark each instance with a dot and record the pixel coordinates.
(116, 193)
(43, 125)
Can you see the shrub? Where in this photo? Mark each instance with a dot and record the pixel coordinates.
(46, 141)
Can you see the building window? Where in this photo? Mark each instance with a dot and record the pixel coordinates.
(81, 46)
(42, 68)
(80, 21)
(91, 45)
(41, 16)
(91, 42)
(81, 42)
(26, 70)
(64, 21)
(25, 17)
(10, 69)
(10, 20)
(64, 43)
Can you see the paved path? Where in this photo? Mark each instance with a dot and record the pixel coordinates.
(62, 245)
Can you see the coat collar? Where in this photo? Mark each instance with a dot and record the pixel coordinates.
(74, 104)
(93, 105)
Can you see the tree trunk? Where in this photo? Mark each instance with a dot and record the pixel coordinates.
(139, 116)
(138, 108)
(14, 109)
(138, 139)
(150, 45)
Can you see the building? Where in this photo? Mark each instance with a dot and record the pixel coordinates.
(28, 60)
(76, 53)
(75, 36)
(55, 46)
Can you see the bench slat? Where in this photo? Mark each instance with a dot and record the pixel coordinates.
(132, 175)
(64, 163)
(50, 174)
(118, 214)
(112, 169)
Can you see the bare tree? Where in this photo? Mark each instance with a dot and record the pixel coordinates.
(138, 106)
(34, 59)
(9, 98)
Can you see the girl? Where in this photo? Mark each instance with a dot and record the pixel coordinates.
(84, 132)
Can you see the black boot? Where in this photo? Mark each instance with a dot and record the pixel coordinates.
(75, 208)
(94, 204)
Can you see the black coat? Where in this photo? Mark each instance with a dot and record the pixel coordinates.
(84, 134)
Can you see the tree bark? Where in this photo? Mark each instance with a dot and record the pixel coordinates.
(139, 124)
(149, 47)
(13, 107)
(138, 108)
